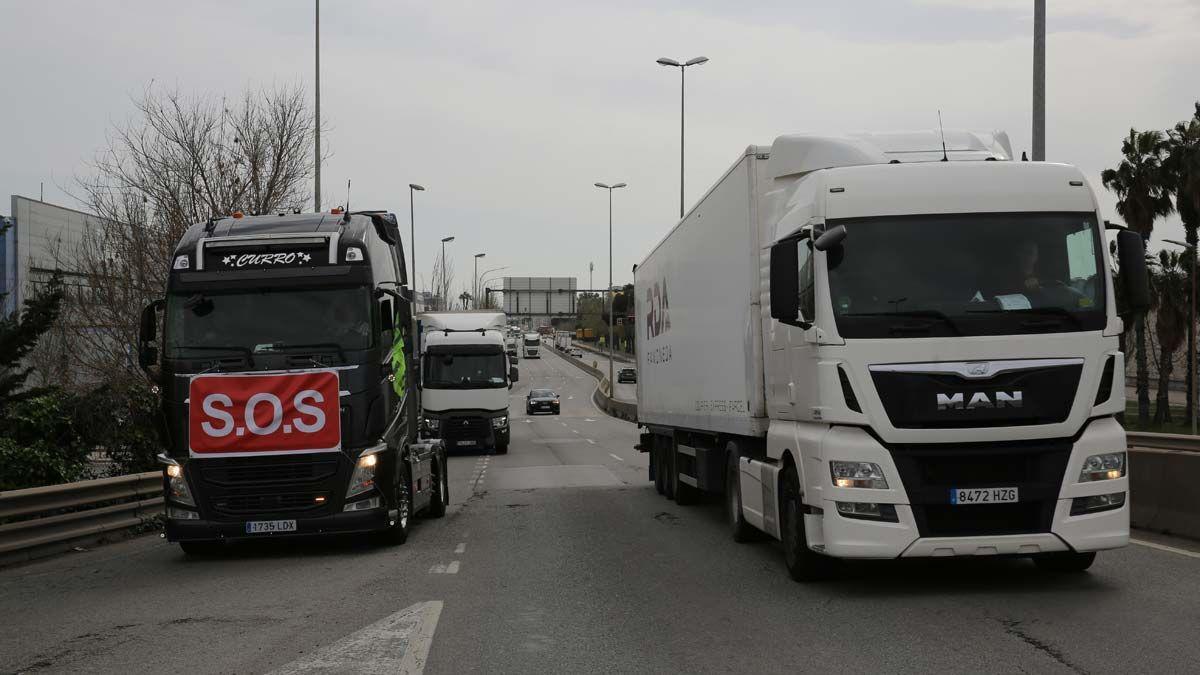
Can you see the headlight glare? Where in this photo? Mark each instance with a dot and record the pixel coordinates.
(363, 478)
(500, 422)
(177, 486)
(857, 475)
(1107, 466)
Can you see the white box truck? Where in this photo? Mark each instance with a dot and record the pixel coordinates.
(465, 379)
(879, 349)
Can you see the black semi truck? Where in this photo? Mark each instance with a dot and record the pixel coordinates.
(284, 370)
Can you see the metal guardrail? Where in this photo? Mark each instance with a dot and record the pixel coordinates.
(41, 521)
(1180, 442)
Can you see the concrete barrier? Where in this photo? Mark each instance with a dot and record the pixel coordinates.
(1163, 492)
(603, 397)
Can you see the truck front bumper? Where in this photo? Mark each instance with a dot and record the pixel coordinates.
(354, 522)
(914, 533)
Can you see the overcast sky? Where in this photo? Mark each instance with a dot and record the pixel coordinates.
(509, 111)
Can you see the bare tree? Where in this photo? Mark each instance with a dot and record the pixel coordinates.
(443, 281)
(180, 160)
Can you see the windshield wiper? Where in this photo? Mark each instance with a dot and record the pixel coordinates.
(280, 346)
(1057, 312)
(222, 348)
(914, 314)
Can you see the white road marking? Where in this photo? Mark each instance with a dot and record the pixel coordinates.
(398, 643)
(588, 419)
(590, 441)
(615, 457)
(563, 423)
(439, 568)
(1161, 547)
(574, 431)
(461, 548)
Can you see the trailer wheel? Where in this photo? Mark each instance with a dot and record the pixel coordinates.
(441, 491)
(738, 527)
(803, 564)
(1065, 562)
(397, 533)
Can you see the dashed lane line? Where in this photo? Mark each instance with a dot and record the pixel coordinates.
(590, 441)
(461, 548)
(451, 568)
(1163, 547)
(619, 459)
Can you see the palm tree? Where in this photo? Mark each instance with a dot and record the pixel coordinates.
(1183, 166)
(1139, 182)
(1170, 288)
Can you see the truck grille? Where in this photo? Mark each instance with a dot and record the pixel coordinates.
(911, 399)
(236, 488)
(930, 472)
(465, 428)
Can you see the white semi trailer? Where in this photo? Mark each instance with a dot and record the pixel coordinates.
(874, 352)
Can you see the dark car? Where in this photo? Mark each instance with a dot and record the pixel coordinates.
(541, 400)
(627, 375)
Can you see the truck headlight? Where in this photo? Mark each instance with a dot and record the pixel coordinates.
(363, 478)
(500, 422)
(177, 486)
(1108, 466)
(857, 475)
(432, 424)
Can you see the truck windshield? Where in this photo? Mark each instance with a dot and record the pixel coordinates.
(531, 342)
(968, 274)
(268, 320)
(465, 371)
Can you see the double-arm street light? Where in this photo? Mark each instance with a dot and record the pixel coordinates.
(682, 67)
(475, 287)
(446, 284)
(610, 189)
(1193, 400)
(483, 278)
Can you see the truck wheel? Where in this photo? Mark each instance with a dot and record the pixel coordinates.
(200, 549)
(441, 492)
(802, 563)
(1065, 562)
(397, 533)
(685, 494)
(738, 527)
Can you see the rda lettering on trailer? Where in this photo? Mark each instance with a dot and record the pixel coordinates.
(233, 415)
(658, 312)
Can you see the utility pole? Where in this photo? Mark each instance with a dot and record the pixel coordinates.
(317, 127)
(1039, 80)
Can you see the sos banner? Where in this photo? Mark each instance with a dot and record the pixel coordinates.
(240, 415)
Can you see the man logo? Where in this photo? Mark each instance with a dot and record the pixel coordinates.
(978, 400)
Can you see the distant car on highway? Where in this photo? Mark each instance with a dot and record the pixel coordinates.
(576, 352)
(627, 375)
(541, 400)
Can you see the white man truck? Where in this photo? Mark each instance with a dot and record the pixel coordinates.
(465, 378)
(879, 349)
(530, 344)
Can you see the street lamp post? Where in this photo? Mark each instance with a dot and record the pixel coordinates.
(317, 109)
(1193, 400)
(610, 188)
(682, 67)
(483, 278)
(475, 286)
(446, 290)
(413, 188)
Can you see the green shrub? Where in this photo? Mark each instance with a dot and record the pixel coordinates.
(38, 443)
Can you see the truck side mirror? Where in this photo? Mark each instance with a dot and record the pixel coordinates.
(785, 282)
(830, 238)
(1135, 277)
(147, 333)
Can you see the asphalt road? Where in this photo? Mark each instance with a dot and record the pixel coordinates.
(560, 557)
